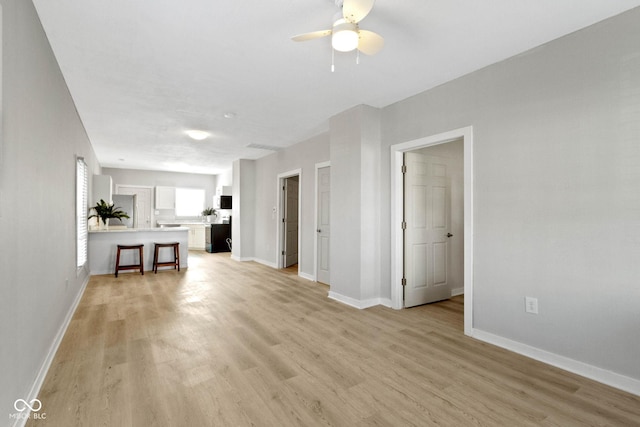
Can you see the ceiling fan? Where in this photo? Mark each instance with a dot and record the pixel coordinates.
(345, 33)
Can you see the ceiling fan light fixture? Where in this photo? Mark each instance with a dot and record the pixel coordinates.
(344, 36)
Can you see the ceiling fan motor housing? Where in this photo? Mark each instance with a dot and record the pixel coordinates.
(344, 36)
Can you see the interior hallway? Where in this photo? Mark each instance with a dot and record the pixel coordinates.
(232, 344)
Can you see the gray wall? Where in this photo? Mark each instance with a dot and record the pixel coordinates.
(355, 203)
(304, 156)
(244, 210)
(557, 184)
(42, 134)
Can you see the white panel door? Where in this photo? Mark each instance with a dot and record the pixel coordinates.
(143, 207)
(324, 226)
(290, 221)
(427, 215)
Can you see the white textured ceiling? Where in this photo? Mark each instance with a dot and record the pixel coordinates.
(141, 72)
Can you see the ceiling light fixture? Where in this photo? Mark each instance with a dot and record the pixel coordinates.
(198, 135)
(344, 36)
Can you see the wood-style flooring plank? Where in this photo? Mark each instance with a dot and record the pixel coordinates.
(225, 343)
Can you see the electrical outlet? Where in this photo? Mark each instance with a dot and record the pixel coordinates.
(531, 305)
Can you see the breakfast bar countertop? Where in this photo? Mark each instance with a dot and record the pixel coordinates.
(179, 223)
(103, 245)
(118, 229)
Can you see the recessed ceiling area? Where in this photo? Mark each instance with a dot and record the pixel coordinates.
(142, 73)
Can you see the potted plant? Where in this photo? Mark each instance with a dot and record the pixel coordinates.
(209, 213)
(104, 211)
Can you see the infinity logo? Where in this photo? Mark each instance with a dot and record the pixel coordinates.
(21, 405)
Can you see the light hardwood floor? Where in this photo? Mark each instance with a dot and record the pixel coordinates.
(224, 343)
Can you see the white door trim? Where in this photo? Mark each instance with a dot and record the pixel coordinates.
(280, 213)
(315, 219)
(119, 186)
(152, 202)
(397, 195)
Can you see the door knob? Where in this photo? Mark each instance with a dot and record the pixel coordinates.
(319, 230)
(449, 235)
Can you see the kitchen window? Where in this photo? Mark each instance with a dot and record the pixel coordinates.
(189, 201)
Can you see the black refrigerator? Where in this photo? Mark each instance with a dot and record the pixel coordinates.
(216, 238)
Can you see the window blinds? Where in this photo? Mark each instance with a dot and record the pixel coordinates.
(81, 211)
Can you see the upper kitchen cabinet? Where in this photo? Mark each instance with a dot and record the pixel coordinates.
(165, 197)
(224, 190)
(101, 189)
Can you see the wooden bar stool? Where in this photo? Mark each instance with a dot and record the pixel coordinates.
(139, 266)
(176, 256)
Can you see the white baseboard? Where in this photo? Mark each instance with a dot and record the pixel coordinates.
(254, 259)
(457, 291)
(609, 378)
(359, 304)
(272, 265)
(386, 302)
(46, 364)
(344, 299)
(263, 262)
(307, 276)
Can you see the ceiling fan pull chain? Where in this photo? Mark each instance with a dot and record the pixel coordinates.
(357, 56)
(333, 66)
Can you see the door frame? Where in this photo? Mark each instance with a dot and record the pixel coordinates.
(315, 220)
(152, 216)
(397, 203)
(280, 213)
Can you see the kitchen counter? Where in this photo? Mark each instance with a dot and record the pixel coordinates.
(198, 231)
(173, 224)
(103, 246)
(113, 229)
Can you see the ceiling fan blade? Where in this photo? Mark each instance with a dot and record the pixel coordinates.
(356, 10)
(370, 43)
(311, 36)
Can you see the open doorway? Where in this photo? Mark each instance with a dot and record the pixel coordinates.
(397, 213)
(143, 210)
(289, 220)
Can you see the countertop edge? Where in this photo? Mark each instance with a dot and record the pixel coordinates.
(141, 230)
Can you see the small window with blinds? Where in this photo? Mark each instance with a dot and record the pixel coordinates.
(81, 212)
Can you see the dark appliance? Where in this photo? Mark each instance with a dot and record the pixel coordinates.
(225, 202)
(216, 239)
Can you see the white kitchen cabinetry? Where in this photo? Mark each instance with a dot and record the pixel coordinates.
(101, 189)
(196, 236)
(225, 190)
(165, 197)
